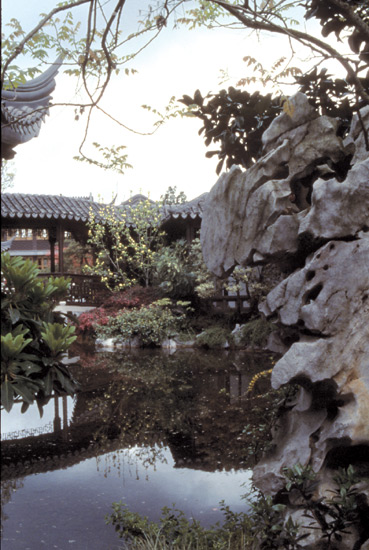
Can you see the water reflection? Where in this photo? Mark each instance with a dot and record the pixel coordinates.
(174, 421)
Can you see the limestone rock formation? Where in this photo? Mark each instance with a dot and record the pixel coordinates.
(254, 216)
(305, 204)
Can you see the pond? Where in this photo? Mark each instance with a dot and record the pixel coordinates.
(145, 428)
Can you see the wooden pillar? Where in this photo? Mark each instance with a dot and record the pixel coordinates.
(57, 419)
(60, 236)
(189, 232)
(65, 418)
(52, 241)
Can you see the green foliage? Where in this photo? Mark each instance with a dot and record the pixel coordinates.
(7, 174)
(334, 516)
(76, 255)
(112, 158)
(254, 334)
(214, 337)
(263, 527)
(269, 528)
(127, 241)
(152, 324)
(235, 120)
(32, 341)
(172, 196)
(174, 273)
(57, 337)
(175, 532)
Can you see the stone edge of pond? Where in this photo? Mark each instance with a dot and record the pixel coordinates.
(170, 344)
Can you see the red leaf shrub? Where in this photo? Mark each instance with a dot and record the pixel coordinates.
(88, 320)
(134, 297)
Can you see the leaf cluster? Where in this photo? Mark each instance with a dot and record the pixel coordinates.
(335, 515)
(348, 18)
(235, 120)
(33, 340)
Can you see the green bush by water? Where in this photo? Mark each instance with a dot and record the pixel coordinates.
(33, 337)
(263, 527)
(152, 324)
(254, 334)
(214, 337)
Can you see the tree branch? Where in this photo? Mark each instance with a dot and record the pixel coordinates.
(18, 50)
(302, 37)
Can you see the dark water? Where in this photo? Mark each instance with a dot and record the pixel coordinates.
(147, 429)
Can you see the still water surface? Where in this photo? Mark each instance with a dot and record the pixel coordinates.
(147, 429)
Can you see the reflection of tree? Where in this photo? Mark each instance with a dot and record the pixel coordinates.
(158, 399)
(8, 487)
(123, 460)
(148, 401)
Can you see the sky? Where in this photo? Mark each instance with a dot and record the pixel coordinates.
(178, 62)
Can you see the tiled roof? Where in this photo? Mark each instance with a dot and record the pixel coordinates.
(188, 209)
(22, 206)
(23, 109)
(6, 245)
(52, 207)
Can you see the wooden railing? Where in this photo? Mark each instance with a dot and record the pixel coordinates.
(85, 290)
(240, 301)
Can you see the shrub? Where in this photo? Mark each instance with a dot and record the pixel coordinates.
(173, 273)
(152, 324)
(255, 333)
(134, 297)
(33, 337)
(175, 531)
(89, 320)
(214, 337)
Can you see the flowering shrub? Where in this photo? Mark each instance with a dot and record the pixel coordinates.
(126, 243)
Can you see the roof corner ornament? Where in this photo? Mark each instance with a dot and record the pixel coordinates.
(23, 109)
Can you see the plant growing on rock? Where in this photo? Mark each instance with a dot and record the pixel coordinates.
(334, 516)
(33, 338)
(262, 527)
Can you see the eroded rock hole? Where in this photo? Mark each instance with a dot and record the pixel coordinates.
(310, 275)
(341, 456)
(313, 293)
(325, 267)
